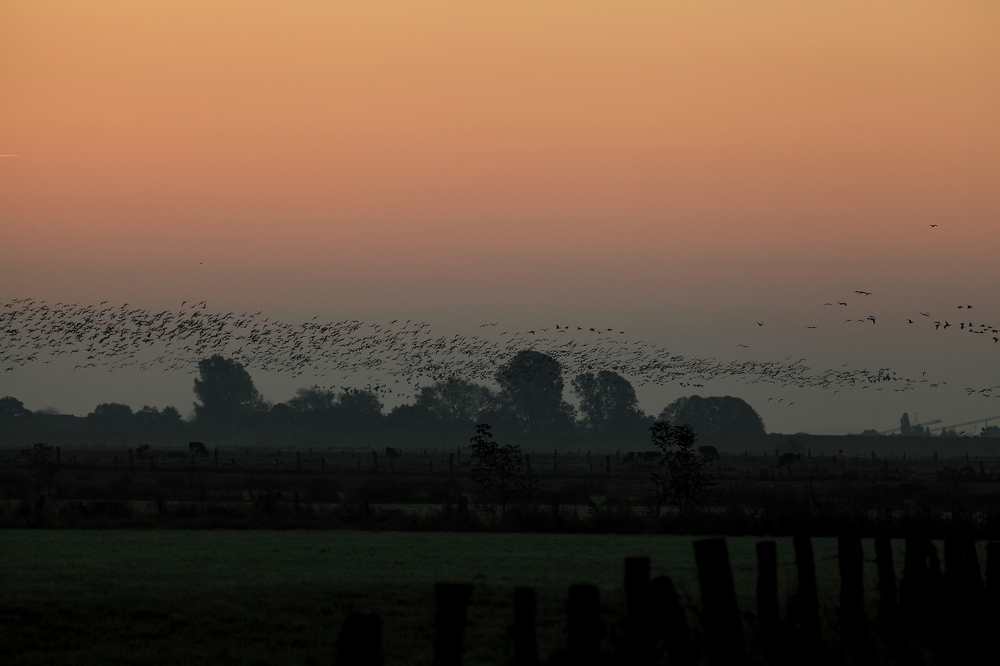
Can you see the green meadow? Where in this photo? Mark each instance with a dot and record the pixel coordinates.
(279, 597)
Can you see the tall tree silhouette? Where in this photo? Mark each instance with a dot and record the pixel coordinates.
(226, 391)
(456, 402)
(608, 401)
(531, 392)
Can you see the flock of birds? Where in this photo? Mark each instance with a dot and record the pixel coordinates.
(395, 357)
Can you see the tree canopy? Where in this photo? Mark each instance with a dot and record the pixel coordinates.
(608, 402)
(226, 391)
(531, 392)
(715, 415)
(455, 402)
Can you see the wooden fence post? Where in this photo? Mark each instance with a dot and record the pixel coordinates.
(523, 633)
(993, 574)
(670, 619)
(584, 629)
(451, 464)
(375, 458)
(639, 640)
(767, 585)
(807, 595)
(449, 622)
(850, 561)
(722, 624)
(886, 579)
(607, 465)
(360, 641)
(913, 586)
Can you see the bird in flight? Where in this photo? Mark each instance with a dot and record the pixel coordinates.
(932, 225)
(864, 293)
(760, 323)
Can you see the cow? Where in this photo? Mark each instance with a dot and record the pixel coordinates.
(198, 449)
(787, 459)
(391, 453)
(709, 452)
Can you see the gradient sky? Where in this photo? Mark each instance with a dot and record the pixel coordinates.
(678, 169)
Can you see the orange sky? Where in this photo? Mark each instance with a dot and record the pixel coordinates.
(583, 158)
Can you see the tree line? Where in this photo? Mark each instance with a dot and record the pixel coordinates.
(529, 397)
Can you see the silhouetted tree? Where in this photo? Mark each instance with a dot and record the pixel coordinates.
(714, 416)
(412, 417)
(228, 396)
(12, 411)
(313, 406)
(608, 402)
(456, 402)
(111, 415)
(151, 418)
(498, 469)
(904, 425)
(357, 409)
(684, 480)
(531, 392)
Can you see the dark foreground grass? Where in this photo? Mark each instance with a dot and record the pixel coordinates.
(268, 597)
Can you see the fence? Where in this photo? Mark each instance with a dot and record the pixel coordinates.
(947, 612)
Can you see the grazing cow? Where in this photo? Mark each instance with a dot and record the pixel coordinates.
(198, 449)
(391, 453)
(709, 452)
(788, 458)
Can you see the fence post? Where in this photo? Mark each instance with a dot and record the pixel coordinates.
(807, 596)
(555, 463)
(130, 459)
(886, 578)
(722, 624)
(584, 630)
(523, 633)
(375, 458)
(607, 465)
(913, 586)
(638, 630)
(767, 585)
(850, 561)
(451, 464)
(449, 622)
(360, 641)
(668, 614)
(993, 574)
(58, 454)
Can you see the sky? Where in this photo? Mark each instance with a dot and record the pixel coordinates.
(680, 171)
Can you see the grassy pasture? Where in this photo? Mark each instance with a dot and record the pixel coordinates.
(279, 597)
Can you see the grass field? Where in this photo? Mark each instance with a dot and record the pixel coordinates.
(279, 597)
